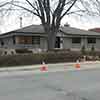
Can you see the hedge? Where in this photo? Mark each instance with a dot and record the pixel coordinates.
(48, 57)
(31, 59)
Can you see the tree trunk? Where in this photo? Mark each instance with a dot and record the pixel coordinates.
(51, 31)
(51, 40)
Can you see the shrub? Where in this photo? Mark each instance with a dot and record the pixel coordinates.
(31, 59)
(83, 51)
(92, 50)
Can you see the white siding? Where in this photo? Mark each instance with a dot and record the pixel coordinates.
(8, 42)
(66, 43)
(43, 43)
(98, 43)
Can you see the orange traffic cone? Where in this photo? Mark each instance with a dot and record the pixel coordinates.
(77, 65)
(44, 67)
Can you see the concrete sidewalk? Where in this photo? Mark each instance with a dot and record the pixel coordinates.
(83, 65)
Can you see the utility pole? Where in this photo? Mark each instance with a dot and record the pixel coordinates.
(20, 22)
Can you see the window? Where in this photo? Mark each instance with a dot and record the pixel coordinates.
(28, 40)
(57, 44)
(24, 40)
(91, 40)
(76, 40)
(36, 40)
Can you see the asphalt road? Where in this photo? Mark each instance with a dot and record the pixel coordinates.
(67, 85)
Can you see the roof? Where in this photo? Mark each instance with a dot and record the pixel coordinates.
(39, 30)
(31, 29)
(75, 31)
(28, 30)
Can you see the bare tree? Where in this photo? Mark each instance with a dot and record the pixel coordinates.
(51, 12)
(91, 6)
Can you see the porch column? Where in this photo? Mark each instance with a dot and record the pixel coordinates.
(84, 42)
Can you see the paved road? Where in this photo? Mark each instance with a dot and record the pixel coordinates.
(67, 85)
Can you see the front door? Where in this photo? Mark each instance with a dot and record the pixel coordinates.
(57, 43)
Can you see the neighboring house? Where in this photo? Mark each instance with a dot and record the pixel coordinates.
(95, 29)
(35, 39)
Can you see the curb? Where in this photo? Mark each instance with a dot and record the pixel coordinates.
(57, 65)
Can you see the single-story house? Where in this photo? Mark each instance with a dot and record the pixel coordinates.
(34, 38)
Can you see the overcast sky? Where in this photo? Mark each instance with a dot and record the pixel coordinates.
(12, 23)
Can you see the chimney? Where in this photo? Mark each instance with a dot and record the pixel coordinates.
(66, 25)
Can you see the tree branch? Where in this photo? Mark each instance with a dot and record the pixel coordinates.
(41, 11)
(46, 4)
(37, 10)
(55, 12)
(76, 11)
(26, 9)
(31, 5)
(68, 9)
(6, 3)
